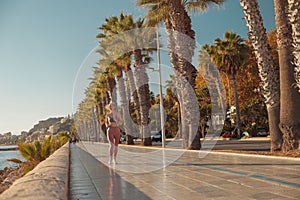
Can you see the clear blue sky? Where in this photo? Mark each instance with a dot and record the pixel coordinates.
(44, 42)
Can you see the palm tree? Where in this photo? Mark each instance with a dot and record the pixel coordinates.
(268, 72)
(123, 64)
(100, 89)
(98, 109)
(178, 23)
(113, 26)
(110, 28)
(229, 54)
(141, 59)
(83, 119)
(123, 97)
(91, 102)
(101, 92)
(120, 50)
(289, 95)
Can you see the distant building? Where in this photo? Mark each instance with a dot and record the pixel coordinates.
(54, 128)
(37, 135)
(24, 134)
(63, 120)
(7, 134)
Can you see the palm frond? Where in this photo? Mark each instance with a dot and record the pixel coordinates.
(201, 5)
(27, 151)
(46, 147)
(147, 2)
(15, 160)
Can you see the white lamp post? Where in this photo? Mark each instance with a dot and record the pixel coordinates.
(160, 91)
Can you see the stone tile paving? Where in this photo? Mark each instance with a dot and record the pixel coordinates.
(90, 179)
(164, 174)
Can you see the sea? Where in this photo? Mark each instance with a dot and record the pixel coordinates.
(4, 155)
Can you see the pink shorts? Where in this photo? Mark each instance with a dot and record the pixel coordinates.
(113, 135)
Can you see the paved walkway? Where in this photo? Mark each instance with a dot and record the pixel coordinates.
(90, 179)
(147, 173)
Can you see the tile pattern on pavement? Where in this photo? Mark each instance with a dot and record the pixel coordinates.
(90, 179)
(214, 176)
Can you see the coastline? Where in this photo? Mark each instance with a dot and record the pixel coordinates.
(9, 149)
(8, 175)
(7, 153)
(9, 172)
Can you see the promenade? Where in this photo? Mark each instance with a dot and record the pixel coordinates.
(153, 173)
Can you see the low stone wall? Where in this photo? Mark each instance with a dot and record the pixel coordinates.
(48, 180)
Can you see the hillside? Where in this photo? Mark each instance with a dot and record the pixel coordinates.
(45, 124)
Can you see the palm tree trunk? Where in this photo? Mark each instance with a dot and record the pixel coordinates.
(174, 61)
(105, 101)
(183, 38)
(268, 72)
(237, 107)
(289, 96)
(94, 123)
(129, 137)
(85, 130)
(179, 132)
(134, 92)
(99, 111)
(275, 133)
(144, 96)
(125, 108)
(112, 89)
(294, 18)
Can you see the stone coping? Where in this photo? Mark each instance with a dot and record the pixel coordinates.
(48, 180)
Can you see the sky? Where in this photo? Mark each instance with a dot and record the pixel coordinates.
(45, 44)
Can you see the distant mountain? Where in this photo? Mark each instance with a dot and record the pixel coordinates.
(45, 124)
(39, 131)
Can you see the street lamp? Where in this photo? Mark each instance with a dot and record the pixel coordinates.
(160, 91)
(161, 108)
(163, 135)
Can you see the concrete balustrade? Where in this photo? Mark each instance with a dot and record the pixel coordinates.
(48, 180)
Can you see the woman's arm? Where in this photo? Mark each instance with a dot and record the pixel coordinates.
(106, 121)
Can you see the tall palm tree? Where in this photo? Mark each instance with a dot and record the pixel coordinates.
(268, 72)
(178, 23)
(118, 48)
(140, 53)
(289, 95)
(82, 119)
(229, 54)
(99, 82)
(110, 28)
(91, 101)
(115, 69)
(86, 113)
(123, 64)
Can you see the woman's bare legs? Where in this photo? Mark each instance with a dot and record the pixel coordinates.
(113, 138)
(111, 145)
(116, 144)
